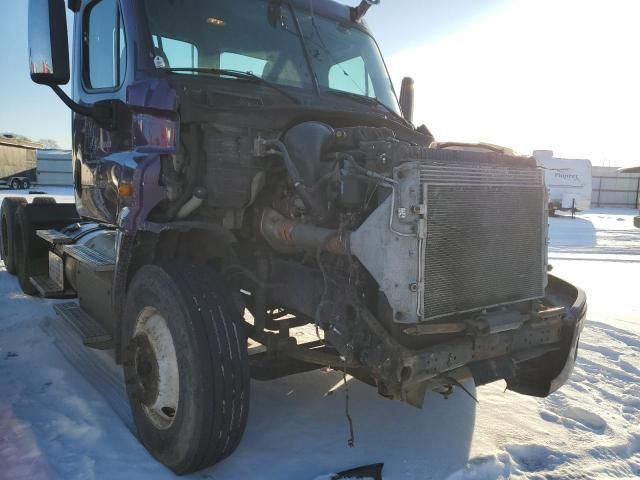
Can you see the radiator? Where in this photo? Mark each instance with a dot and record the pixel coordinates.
(485, 234)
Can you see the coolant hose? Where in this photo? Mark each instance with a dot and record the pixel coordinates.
(191, 205)
(298, 183)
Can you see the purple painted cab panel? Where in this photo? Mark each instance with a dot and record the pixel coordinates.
(103, 160)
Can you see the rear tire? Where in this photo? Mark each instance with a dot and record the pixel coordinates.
(31, 252)
(7, 239)
(190, 402)
(26, 184)
(44, 201)
(16, 184)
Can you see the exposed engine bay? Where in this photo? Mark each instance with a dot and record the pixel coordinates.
(415, 262)
(253, 201)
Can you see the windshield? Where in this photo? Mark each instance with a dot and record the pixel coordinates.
(346, 59)
(263, 38)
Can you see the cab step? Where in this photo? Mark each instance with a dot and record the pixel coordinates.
(92, 333)
(54, 237)
(94, 260)
(48, 288)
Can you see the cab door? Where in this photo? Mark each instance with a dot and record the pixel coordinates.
(101, 51)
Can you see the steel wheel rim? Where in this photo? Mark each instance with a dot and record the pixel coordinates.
(156, 367)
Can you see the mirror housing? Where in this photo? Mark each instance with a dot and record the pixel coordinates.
(407, 98)
(49, 61)
(48, 42)
(74, 5)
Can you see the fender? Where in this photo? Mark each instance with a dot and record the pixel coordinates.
(127, 243)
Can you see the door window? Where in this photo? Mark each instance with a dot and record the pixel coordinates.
(175, 53)
(105, 49)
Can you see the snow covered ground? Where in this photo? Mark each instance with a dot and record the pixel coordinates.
(63, 413)
(591, 427)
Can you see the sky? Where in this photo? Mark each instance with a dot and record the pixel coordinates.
(527, 74)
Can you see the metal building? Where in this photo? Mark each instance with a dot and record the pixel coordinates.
(612, 188)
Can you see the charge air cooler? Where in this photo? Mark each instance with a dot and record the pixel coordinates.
(460, 232)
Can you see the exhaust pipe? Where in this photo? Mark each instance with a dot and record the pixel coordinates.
(406, 98)
(289, 236)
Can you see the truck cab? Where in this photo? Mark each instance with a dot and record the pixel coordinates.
(243, 168)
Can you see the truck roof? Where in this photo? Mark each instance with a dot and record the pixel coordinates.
(329, 8)
(54, 154)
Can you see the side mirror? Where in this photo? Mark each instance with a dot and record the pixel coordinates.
(49, 61)
(407, 98)
(48, 42)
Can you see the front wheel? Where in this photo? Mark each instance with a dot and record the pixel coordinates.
(186, 365)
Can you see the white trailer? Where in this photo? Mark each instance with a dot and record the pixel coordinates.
(568, 181)
(54, 167)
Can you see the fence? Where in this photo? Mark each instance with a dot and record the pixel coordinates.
(614, 189)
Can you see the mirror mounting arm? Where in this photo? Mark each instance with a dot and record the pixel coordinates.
(76, 107)
(108, 114)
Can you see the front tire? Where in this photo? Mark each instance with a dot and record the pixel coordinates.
(186, 365)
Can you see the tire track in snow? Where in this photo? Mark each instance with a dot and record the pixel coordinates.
(94, 366)
(599, 408)
(606, 373)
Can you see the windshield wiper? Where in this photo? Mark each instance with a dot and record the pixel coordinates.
(373, 101)
(238, 74)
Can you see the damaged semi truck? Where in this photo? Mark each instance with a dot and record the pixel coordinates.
(251, 156)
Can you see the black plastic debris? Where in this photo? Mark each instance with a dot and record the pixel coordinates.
(373, 471)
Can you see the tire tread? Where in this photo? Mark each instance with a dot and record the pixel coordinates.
(8, 215)
(224, 360)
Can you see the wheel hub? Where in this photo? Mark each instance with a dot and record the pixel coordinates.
(146, 368)
(155, 366)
